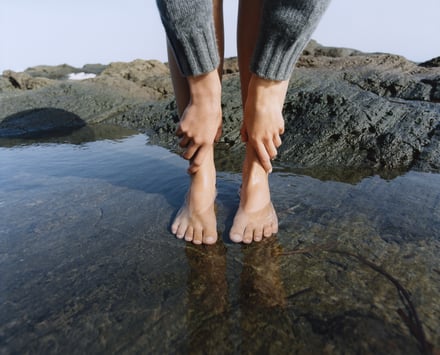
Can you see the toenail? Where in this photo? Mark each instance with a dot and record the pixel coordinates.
(236, 238)
(210, 240)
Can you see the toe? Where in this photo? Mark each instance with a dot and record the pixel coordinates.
(248, 235)
(258, 234)
(275, 227)
(189, 234)
(209, 238)
(267, 231)
(236, 234)
(181, 230)
(198, 236)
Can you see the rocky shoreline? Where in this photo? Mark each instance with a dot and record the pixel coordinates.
(344, 108)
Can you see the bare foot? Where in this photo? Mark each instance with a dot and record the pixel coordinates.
(196, 221)
(256, 217)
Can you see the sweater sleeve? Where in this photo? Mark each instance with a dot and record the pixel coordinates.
(189, 26)
(285, 29)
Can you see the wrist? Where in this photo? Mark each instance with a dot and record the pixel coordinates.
(205, 87)
(267, 91)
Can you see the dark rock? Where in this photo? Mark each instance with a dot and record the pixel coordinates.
(52, 72)
(93, 68)
(435, 62)
(363, 112)
(39, 122)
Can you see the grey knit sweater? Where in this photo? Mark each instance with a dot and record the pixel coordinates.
(286, 27)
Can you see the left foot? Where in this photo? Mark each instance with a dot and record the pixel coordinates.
(256, 217)
(196, 221)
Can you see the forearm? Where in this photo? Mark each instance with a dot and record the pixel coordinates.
(189, 26)
(286, 27)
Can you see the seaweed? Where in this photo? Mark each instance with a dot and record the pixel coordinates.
(409, 316)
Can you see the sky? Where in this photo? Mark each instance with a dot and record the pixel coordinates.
(78, 32)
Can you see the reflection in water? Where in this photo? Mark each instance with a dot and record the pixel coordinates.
(208, 307)
(88, 264)
(261, 305)
(263, 301)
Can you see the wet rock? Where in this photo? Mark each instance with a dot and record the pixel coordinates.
(40, 122)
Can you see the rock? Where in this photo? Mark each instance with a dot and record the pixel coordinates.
(39, 123)
(93, 102)
(93, 68)
(314, 49)
(23, 81)
(150, 76)
(365, 112)
(6, 85)
(230, 66)
(52, 72)
(344, 109)
(435, 62)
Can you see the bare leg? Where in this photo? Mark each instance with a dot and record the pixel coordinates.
(196, 220)
(249, 13)
(262, 101)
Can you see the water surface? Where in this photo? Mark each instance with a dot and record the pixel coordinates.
(88, 264)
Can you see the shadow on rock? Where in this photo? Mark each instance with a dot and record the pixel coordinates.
(40, 122)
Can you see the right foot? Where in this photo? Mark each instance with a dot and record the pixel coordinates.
(256, 218)
(196, 221)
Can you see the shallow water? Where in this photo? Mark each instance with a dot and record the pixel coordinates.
(88, 264)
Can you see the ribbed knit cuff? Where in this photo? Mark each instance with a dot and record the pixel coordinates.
(196, 50)
(285, 29)
(276, 59)
(189, 26)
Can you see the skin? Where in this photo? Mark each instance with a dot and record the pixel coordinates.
(262, 127)
(199, 105)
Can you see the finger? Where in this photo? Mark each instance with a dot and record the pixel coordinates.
(190, 151)
(198, 159)
(179, 132)
(277, 141)
(271, 150)
(281, 131)
(264, 157)
(184, 141)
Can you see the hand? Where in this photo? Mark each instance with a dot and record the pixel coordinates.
(263, 122)
(201, 122)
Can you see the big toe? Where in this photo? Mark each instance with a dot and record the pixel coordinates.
(209, 239)
(236, 234)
